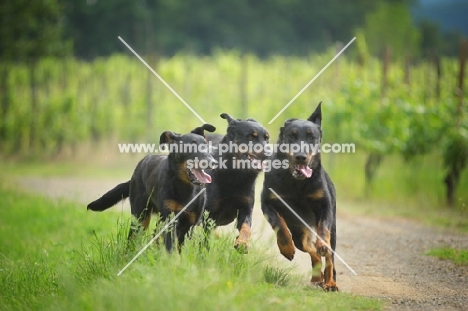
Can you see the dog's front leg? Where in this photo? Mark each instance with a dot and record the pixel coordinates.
(171, 234)
(323, 246)
(283, 234)
(308, 246)
(169, 239)
(244, 222)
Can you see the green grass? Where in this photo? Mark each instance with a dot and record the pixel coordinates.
(457, 256)
(54, 255)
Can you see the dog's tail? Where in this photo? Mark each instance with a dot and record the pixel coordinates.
(111, 198)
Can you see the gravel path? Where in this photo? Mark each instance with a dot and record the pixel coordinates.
(387, 254)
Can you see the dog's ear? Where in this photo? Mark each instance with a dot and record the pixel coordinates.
(208, 127)
(227, 117)
(230, 135)
(201, 129)
(286, 124)
(316, 116)
(281, 134)
(168, 137)
(289, 121)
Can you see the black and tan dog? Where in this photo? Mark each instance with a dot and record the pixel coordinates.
(306, 187)
(165, 184)
(231, 193)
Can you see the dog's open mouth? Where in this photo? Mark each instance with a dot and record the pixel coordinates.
(301, 171)
(255, 163)
(198, 176)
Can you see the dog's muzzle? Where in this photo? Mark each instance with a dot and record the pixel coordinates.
(198, 176)
(301, 168)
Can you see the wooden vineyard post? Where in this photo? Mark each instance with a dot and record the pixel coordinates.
(461, 78)
(385, 66)
(439, 75)
(457, 157)
(407, 70)
(243, 85)
(151, 85)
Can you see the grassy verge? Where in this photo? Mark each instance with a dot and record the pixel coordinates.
(431, 216)
(457, 256)
(120, 167)
(57, 256)
(415, 183)
(411, 189)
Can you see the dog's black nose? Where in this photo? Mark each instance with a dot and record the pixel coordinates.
(300, 157)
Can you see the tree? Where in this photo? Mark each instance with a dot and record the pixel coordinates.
(30, 30)
(95, 25)
(391, 26)
(430, 38)
(261, 27)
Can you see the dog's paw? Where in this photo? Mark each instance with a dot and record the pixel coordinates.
(288, 253)
(330, 287)
(242, 241)
(242, 246)
(287, 250)
(317, 279)
(316, 285)
(285, 245)
(326, 287)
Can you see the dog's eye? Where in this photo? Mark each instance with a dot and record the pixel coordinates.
(310, 138)
(292, 136)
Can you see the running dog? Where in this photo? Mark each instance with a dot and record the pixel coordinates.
(306, 187)
(231, 194)
(165, 184)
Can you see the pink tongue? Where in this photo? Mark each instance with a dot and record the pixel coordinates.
(305, 170)
(201, 176)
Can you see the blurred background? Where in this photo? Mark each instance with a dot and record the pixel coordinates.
(70, 90)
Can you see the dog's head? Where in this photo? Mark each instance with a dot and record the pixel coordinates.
(190, 153)
(302, 139)
(248, 139)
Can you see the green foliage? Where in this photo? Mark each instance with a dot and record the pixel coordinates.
(277, 276)
(457, 256)
(431, 39)
(95, 25)
(391, 26)
(31, 30)
(79, 101)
